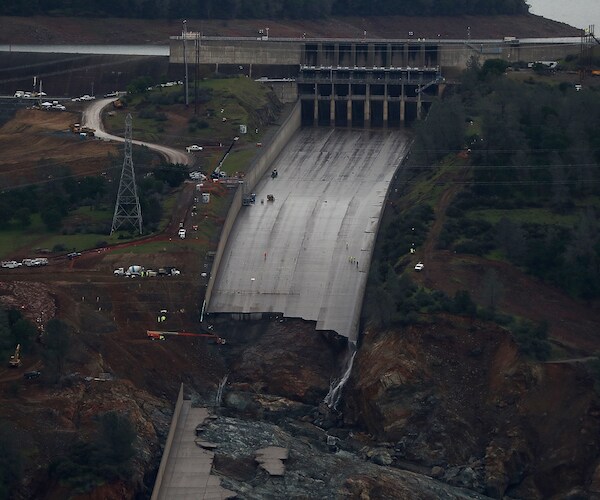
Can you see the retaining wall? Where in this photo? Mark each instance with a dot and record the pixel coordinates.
(168, 444)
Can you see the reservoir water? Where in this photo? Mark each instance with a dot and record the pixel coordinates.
(578, 13)
(127, 50)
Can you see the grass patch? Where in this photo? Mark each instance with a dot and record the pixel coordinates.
(168, 206)
(429, 190)
(86, 213)
(238, 161)
(77, 242)
(14, 239)
(152, 247)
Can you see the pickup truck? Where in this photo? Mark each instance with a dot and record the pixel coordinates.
(169, 271)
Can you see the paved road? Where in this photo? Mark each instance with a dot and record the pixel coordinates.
(289, 256)
(91, 118)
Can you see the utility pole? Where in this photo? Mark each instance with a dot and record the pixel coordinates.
(197, 77)
(187, 100)
(127, 207)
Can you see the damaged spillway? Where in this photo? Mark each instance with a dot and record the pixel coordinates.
(305, 250)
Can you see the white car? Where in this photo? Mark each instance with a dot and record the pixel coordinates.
(419, 266)
(11, 264)
(182, 233)
(193, 147)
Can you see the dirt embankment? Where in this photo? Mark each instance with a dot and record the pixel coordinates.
(457, 398)
(50, 30)
(37, 145)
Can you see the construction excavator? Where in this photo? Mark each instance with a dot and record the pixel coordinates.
(15, 359)
(159, 335)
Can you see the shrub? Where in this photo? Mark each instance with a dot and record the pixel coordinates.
(532, 339)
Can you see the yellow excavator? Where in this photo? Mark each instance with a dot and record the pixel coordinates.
(15, 359)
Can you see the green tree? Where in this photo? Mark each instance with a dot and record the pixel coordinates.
(52, 218)
(492, 290)
(11, 460)
(106, 458)
(463, 304)
(24, 333)
(117, 435)
(23, 216)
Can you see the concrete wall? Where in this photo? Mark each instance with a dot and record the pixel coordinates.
(458, 55)
(257, 169)
(228, 51)
(398, 53)
(168, 444)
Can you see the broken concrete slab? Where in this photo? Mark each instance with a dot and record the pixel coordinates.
(271, 459)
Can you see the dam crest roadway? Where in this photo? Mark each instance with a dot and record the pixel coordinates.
(307, 253)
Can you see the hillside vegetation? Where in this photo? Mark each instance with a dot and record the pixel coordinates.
(257, 9)
(518, 165)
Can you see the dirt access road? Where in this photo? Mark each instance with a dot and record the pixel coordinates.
(92, 118)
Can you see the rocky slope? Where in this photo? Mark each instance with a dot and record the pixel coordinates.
(456, 397)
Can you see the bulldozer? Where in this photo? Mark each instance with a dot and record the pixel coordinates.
(15, 359)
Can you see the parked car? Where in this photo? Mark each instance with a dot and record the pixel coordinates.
(193, 147)
(419, 266)
(73, 255)
(11, 264)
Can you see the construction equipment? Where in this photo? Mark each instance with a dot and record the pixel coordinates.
(15, 359)
(76, 128)
(158, 335)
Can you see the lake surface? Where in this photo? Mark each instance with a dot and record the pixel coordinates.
(578, 13)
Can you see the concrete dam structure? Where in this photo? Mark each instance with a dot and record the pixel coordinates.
(356, 83)
(303, 249)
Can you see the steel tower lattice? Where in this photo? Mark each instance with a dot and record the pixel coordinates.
(127, 207)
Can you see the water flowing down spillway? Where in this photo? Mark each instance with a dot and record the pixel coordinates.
(335, 389)
(219, 395)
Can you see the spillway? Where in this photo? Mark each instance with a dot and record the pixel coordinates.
(307, 253)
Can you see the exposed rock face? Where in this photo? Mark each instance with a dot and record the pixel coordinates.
(285, 358)
(457, 397)
(312, 470)
(57, 418)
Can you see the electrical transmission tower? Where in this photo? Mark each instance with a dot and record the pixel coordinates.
(127, 207)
